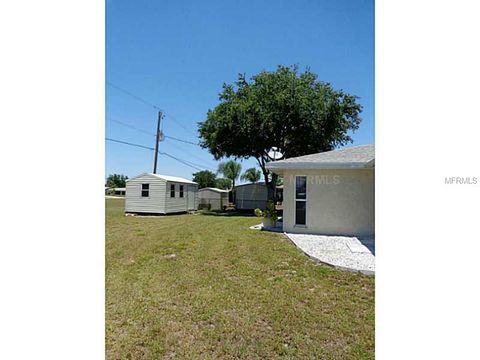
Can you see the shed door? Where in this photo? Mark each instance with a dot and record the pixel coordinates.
(190, 197)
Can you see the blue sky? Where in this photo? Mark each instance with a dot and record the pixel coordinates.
(177, 55)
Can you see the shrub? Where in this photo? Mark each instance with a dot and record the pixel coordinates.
(271, 212)
(258, 212)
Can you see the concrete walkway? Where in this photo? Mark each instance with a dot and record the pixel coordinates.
(346, 253)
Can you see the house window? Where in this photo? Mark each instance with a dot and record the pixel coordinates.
(145, 190)
(301, 200)
(172, 190)
(181, 191)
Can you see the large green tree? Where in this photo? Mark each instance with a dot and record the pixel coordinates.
(205, 179)
(293, 111)
(253, 175)
(116, 180)
(222, 183)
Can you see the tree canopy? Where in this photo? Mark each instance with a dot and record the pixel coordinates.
(222, 183)
(116, 180)
(253, 175)
(205, 179)
(293, 111)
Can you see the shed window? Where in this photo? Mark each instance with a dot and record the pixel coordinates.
(145, 190)
(172, 190)
(181, 191)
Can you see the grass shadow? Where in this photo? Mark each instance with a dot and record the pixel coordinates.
(227, 212)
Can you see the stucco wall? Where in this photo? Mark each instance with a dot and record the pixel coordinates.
(339, 202)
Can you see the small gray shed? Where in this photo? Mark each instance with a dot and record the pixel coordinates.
(216, 198)
(160, 194)
(251, 196)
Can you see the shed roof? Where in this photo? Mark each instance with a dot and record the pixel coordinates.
(167, 178)
(362, 156)
(261, 183)
(214, 189)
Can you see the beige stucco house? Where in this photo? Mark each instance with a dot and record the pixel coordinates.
(329, 193)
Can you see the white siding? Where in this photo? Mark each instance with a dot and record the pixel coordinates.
(178, 204)
(154, 203)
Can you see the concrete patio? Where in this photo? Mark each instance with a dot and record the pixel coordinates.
(342, 252)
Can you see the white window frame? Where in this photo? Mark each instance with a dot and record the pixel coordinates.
(141, 190)
(295, 201)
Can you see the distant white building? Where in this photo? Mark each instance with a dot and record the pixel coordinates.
(119, 191)
(217, 199)
(160, 194)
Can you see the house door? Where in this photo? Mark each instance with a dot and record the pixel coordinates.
(301, 200)
(190, 197)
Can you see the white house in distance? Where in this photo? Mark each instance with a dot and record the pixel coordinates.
(329, 193)
(119, 191)
(160, 194)
(216, 198)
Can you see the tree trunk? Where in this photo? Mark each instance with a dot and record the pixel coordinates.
(272, 188)
(271, 184)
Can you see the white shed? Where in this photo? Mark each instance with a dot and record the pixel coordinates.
(160, 194)
(216, 198)
(251, 196)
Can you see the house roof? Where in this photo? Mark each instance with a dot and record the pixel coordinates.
(214, 189)
(355, 157)
(261, 183)
(119, 189)
(167, 178)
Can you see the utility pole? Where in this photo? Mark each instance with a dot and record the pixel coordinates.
(160, 116)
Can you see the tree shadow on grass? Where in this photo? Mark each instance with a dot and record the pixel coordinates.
(227, 212)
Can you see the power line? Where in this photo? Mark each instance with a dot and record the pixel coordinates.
(130, 126)
(179, 123)
(203, 161)
(141, 99)
(131, 144)
(181, 140)
(185, 162)
(149, 133)
(133, 95)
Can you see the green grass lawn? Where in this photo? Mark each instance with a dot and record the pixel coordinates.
(200, 286)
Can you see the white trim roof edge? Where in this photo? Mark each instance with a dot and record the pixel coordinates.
(214, 189)
(312, 165)
(165, 177)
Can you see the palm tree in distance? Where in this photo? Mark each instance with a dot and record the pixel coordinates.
(253, 175)
(230, 170)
